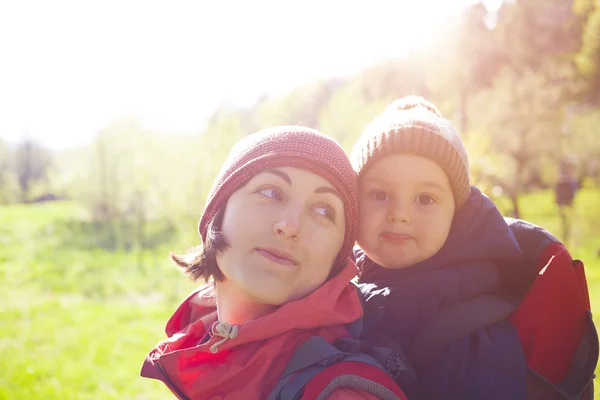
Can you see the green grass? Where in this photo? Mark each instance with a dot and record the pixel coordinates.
(76, 322)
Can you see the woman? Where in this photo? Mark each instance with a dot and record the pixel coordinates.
(278, 227)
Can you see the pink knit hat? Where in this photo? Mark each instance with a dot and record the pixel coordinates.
(291, 146)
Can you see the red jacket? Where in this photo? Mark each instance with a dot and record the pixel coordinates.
(249, 365)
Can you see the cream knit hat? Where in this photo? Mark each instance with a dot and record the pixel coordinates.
(415, 126)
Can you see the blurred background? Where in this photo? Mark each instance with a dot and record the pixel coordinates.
(116, 116)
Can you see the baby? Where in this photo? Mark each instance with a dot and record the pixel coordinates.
(432, 251)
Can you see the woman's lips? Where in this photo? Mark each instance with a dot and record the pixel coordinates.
(279, 257)
(396, 237)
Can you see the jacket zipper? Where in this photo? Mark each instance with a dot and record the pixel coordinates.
(170, 384)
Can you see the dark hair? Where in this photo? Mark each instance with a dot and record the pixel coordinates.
(200, 262)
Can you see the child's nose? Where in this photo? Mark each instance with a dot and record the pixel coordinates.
(398, 212)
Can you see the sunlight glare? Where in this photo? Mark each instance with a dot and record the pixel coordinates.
(73, 67)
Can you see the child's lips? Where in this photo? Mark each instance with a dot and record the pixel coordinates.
(396, 237)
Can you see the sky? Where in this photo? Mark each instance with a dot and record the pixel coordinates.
(70, 68)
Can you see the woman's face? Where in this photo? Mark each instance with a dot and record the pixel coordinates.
(285, 228)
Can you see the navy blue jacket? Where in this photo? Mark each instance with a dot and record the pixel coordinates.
(478, 259)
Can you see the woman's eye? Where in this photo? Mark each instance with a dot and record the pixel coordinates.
(271, 193)
(425, 200)
(326, 212)
(379, 195)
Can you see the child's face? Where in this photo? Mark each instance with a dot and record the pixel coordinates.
(406, 210)
(285, 228)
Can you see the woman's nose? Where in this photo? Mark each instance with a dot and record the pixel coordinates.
(289, 223)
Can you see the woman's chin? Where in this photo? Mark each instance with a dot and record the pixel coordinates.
(268, 291)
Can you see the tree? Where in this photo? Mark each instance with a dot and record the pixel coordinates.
(301, 106)
(588, 58)
(31, 165)
(389, 80)
(348, 113)
(355, 103)
(477, 59)
(522, 114)
(7, 175)
(533, 31)
(583, 144)
(191, 165)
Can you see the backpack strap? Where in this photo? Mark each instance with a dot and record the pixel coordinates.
(578, 385)
(365, 378)
(532, 239)
(373, 303)
(309, 359)
(376, 369)
(455, 322)
(461, 319)
(355, 328)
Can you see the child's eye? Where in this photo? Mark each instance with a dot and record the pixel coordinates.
(272, 193)
(425, 200)
(325, 211)
(379, 195)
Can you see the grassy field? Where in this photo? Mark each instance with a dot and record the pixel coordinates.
(76, 322)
